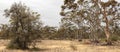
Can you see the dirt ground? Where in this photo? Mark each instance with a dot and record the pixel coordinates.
(62, 46)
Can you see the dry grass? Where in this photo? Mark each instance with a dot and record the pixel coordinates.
(62, 46)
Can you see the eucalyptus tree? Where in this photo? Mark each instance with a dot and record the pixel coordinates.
(92, 13)
(75, 11)
(48, 32)
(68, 28)
(110, 13)
(24, 25)
(69, 11)
(3, 29)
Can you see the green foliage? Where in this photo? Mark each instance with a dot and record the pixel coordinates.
(4, 28)
(115, 38)
(92, 14)
(24, 26)
(48, 32)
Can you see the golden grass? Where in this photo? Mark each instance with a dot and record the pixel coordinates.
(62, 46)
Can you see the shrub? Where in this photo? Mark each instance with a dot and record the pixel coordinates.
(114, 38)
(24, 26)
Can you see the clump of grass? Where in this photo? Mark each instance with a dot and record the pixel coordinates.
(73, 47)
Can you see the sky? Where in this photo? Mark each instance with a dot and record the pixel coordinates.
(49, 10)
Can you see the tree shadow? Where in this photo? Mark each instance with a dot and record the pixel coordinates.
(38, 49)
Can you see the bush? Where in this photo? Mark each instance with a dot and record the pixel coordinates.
(24, 28)
(114, 38)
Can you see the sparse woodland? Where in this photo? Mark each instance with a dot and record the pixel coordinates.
(92, 20)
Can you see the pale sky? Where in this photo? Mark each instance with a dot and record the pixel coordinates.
(49, 9)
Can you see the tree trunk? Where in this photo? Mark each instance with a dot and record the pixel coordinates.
(106, 29)
(79, 32)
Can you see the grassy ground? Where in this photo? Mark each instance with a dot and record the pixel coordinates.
(62, 46)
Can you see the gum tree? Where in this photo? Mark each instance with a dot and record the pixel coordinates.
(92, 13)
